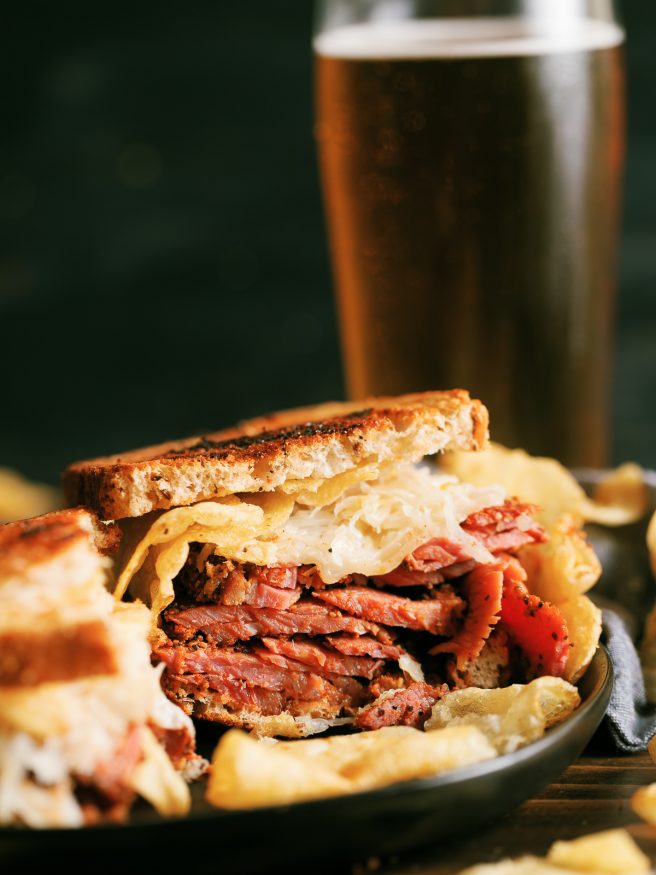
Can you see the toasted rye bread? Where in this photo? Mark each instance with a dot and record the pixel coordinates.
(47, 538)
(261, 454)
(208, 706)
(30, 657)
(53, 624)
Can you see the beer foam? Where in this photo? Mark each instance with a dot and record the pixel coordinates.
(505, 36)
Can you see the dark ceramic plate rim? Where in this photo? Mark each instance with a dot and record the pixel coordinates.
(467, 774)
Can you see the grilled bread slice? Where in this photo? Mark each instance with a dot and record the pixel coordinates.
(53, 604)
(84, 724)
(261, 454)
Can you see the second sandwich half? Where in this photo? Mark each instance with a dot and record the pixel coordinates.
(304, 571)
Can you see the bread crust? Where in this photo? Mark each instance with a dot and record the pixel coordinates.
(46, 538)
(61, 654)
(44, 639)
(208, 707)
(260, 454)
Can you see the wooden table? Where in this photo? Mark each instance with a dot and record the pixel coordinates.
(591, 795)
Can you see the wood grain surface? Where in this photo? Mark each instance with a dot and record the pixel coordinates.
(591, 795)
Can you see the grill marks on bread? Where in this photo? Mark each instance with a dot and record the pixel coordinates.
(220, 449)
(261, 454)
(44, 539)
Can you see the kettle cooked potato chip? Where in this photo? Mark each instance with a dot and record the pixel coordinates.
(643, 801)
(651, 542)
(247, 773)
(564, 566)
(510, 717)
(612, 852)
(620, 499)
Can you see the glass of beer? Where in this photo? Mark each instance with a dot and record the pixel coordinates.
(471, 154)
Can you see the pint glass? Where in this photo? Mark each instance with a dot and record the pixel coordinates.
(470, 156)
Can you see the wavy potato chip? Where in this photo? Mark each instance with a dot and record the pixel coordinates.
(651, 747)
(620, 498)
(520, 866)
(564, 566)
(651, 542)
(527, 866)
(418, 756)
(583, 620)
(341, 751)
(247, 773)
(539, 480)
(612, 852)
(21, 498)
(157, 781)
(157, 547)
(317, 491)
(648, 655)
(510, 717)
(643, 802)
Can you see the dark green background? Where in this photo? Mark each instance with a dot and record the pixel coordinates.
(163, 266)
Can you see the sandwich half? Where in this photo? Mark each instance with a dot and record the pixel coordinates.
(84, 726)
(306, 569)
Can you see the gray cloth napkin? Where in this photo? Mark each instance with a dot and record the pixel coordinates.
(631, 721)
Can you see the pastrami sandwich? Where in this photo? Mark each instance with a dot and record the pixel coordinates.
(84, 726)
(304, 570)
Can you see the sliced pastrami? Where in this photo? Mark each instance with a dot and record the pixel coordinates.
(482, 589)
(322, 659)
(407, 707)
(226, 624)
(364, 645)
(436, 615)
(511, 515)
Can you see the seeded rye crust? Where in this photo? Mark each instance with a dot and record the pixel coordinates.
(260, 454)
(50, 649)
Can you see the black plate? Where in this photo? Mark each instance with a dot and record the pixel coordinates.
(380, 822)
(384, 821)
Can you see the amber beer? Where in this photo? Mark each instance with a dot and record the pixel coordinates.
(471, 177)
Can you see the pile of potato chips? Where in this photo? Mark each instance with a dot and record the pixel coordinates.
(466, 727)
(620, 499)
